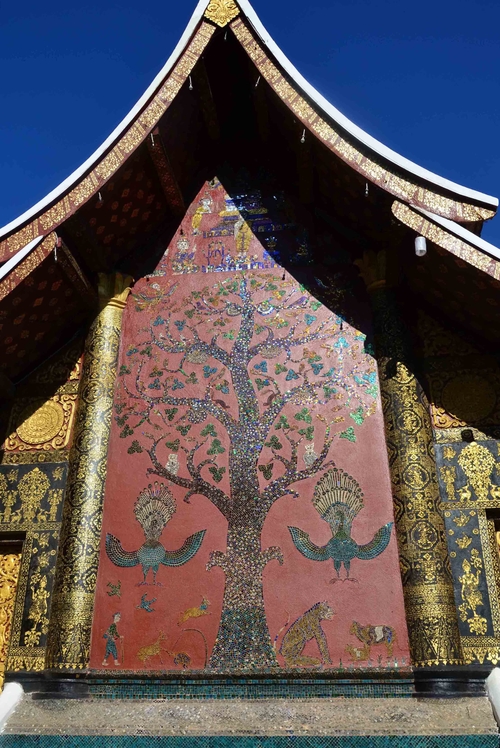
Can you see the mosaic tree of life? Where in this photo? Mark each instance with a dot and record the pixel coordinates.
(232, 364)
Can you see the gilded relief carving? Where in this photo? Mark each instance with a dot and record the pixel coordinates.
(9, 572)
(473, 478)
(471, 595)
(221, 11)
(41, 424)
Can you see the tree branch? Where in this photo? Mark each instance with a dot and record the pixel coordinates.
(197, 484)
(280, 486)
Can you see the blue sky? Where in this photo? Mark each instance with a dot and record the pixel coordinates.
(424, 78)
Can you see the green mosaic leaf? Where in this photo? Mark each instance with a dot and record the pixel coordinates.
(217, 472)
(315, 305)
(183, 429)
(282, 423)
(209, 430)
(308, 433)
(134, 447)
(127, 431)
(303, 415)
(358, 416)
(279, 368)
(170, 413)
(216, 448)
(267, 470)
(348, 434)
(123, 370)
(274, 443)
(174, 445)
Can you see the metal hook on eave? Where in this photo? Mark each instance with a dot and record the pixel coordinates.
(303, 138)
(190, 83)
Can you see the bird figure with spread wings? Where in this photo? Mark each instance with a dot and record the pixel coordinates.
(338, 499)
(154, 507)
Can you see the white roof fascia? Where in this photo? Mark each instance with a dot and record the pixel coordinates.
(461, 233)
(75, 176)
(8, 266)
(353, 129)
(309, 90)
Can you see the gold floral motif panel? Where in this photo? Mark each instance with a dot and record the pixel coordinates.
(10, 563)
(38, 424)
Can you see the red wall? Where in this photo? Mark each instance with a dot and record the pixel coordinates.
(193, 301)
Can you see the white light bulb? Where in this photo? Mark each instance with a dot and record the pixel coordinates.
(420, 246)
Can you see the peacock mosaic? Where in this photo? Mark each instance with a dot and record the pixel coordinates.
(247, 520)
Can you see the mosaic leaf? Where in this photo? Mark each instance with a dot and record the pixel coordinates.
(348, 434)
(303, 415)
(267, 470)
(274, 443)
(174, 445)
(209, 430)
(217, 472)
(216, 448)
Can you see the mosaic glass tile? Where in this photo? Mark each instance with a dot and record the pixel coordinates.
(291, 741)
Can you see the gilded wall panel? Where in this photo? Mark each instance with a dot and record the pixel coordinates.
(469, 478)
(31, 499)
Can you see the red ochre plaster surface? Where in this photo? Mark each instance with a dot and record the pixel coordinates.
(373, 596)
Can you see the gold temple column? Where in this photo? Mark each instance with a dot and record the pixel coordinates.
(428, 588)
(68, 645)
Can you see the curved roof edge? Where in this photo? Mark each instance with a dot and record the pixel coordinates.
(119, 129)
(450, 236)
(349, 127)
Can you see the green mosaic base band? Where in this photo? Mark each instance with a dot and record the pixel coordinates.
(248, 689)
(291, 741)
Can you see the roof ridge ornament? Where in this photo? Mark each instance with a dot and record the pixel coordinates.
(221, 12)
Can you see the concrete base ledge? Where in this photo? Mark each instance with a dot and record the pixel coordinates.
(267, 717)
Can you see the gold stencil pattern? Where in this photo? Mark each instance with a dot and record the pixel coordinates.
(9, 571)
(68, 645)
(427, 584)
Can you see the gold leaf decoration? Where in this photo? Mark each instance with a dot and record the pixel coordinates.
(221, 11)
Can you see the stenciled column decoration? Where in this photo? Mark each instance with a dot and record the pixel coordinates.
(68, 645)
(427, 583)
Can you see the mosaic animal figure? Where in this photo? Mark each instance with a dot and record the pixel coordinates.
(369, 636)
(146, 604)
(305, 628)
(338, 499)
(154, 507)
(115, 589)
(151, 650)
(202, 610)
